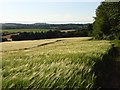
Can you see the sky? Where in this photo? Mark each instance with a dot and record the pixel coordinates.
(47, 11)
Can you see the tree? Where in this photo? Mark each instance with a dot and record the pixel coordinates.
(107, 21)
(90, 29)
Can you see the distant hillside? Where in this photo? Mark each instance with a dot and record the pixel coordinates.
(43, 26)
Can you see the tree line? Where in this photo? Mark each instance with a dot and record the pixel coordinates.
(107, 21)
(48, 35)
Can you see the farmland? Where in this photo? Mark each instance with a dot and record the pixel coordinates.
(64, 46)
(52, 63)
(28, 30)
(22, 30)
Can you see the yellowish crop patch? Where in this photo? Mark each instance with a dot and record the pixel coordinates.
(65, 63)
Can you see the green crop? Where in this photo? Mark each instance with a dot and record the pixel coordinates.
(66, 63)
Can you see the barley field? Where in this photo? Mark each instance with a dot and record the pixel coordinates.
(51, 63)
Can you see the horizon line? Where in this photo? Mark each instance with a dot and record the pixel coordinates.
(52, 22)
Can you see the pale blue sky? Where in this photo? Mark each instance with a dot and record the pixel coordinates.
(49, 12)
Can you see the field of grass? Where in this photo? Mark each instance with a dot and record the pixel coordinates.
(67, 30)
(18, 45)
(52, 63)
(29, 30)
(23, 30)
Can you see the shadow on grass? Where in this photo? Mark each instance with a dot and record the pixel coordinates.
(108, 71)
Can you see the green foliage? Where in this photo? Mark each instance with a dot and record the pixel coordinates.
(107, 21)
(48, 34)
(116, 43)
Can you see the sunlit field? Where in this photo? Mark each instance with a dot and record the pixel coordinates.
(51, 63)
(29, 30)
(23, 30)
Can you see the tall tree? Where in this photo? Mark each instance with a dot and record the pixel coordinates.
(107, 21)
